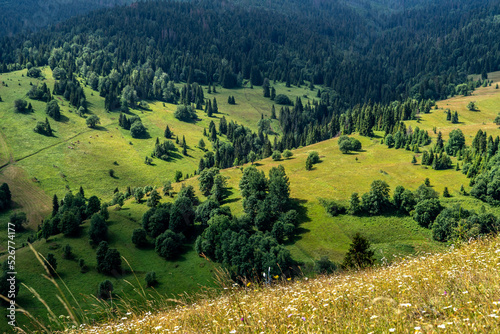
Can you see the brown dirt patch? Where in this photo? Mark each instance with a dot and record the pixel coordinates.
(26, 195)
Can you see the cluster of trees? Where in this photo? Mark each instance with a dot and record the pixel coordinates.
(347, 144)
(33, 72)
(52, 109)
(5, 197)
(20, 106)
(72, 91)
(40, 92)
(185, 113)
(423, 205)
(453, 117)
(312, 158)
(69, 214)
(43, 128)
(134, 124)
(407, 138)
(482, 165)
(437, 161)
(250, 244)
(109, 261)
(211, 107)
(163, 150)
(192, 93)
(168, 223)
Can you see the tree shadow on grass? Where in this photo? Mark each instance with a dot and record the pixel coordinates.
(302, 217)
(63, 119)
(100, 128)
(173, 156)
(227, 193)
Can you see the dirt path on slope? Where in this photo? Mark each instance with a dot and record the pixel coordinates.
(26, 195)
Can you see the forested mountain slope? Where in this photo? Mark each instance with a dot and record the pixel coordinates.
(359, 55)
(28, 15)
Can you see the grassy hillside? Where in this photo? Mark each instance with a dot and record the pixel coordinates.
(453, 292)
(36, 167)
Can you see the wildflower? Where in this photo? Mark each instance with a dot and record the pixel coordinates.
(445, 293)
(392, 330)
(289, 315)
(405, 305)
(289, 279)
(276, 277)
(442, 326)
(373, 317)
(233, 331)
(242, 319)
(248, 284)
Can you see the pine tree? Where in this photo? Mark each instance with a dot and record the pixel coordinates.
(201, 144)
(446, 193)
(273, 112)
(359, 255)
(215, 109)
(414, 160)
(168, 133)
(55, 205)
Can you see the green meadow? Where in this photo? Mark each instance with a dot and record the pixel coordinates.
(37, 167)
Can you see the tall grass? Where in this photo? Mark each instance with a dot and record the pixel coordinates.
(457, 291)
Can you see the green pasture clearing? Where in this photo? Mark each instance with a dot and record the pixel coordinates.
(80, 156)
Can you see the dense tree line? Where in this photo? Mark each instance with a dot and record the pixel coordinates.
(69, 213)
(72, 91)
(252, 243)
(381, 64)
(423, 204)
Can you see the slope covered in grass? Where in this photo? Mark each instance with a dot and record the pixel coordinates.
(456, 291)
(57, 168)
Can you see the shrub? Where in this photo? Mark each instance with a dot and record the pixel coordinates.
(185, 113)
(137, 129)
(276, 156)
(426, 211)
(34, 72)
(20, 105)
(314, 156)
(139, 238)
(287, 154)
(67, 252)
(105, 289)
(151, 279)
(332, 207)
(169, 244)
(282, 99)
(325, 266)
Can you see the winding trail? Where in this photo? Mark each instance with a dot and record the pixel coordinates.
(26, 194)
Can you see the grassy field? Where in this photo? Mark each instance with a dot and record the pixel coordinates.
(39, 166)
(453, 292)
